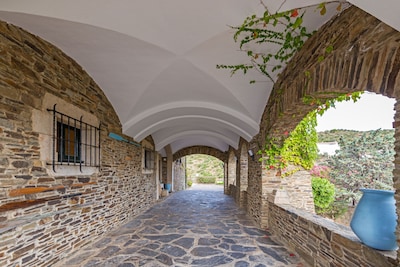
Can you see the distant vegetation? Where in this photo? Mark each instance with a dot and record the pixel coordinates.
(364, 160)
(350, 135)
(204, 169)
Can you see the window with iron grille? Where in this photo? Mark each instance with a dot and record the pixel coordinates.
(74, 142)
(148, 159)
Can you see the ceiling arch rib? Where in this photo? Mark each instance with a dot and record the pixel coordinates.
(161, 125)
(179, 125)
(196, 107)
(183, 81)
(159, 117)
(189, 134)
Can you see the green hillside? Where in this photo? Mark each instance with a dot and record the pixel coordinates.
(199, 165)
(350, 135)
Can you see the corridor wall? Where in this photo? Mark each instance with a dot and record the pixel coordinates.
(48, 211)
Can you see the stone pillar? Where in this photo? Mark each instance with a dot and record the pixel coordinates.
(243, 172)
(226, 183)
(168, 150)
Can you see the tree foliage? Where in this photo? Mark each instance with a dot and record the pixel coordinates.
(363, 161)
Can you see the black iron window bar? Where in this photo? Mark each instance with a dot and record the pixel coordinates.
(74, 142)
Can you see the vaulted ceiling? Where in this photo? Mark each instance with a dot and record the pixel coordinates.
(156, 60)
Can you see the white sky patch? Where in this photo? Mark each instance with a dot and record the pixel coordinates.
(370, 112)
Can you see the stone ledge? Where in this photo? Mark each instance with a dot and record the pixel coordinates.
(339, 236)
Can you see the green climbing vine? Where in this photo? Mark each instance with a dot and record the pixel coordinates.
(326, 100)
(281, 30)
(272, 153)
(299, 147)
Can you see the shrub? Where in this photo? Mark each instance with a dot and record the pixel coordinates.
(323, 192)
(335, 210)
(206, 180)
(320, 171)
(189, 183)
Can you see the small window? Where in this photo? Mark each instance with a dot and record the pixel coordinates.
(75, 142)
(68, 143)
(148, 159)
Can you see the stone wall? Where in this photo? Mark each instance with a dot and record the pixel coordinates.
(299, 189)
(262, 182)
(47, 214)
(321, 242)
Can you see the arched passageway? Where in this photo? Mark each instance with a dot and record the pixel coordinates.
(210, 151)
(73, 209)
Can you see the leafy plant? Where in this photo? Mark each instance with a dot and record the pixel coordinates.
(327, 100)
(323, 192)
(335, 210)
(328, 199)
(320, 171)
(282, 29)
(272, 153)
(299, 147)
(272, 39)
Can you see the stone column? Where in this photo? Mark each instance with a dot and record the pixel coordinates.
(168, 150)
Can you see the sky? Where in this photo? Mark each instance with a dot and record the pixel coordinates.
(370, 112)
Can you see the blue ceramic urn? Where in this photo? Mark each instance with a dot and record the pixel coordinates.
(374, 220)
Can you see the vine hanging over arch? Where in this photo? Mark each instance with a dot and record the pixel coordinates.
(277, 37)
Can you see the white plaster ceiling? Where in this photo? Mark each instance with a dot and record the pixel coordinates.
(156, 60)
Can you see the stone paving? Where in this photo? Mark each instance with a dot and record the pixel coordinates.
(196, 227)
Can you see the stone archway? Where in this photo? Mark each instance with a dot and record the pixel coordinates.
(210, 151)
(366, 57)
(201, 150)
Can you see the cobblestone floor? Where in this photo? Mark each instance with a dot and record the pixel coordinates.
(196, 227)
